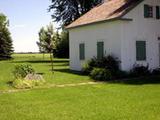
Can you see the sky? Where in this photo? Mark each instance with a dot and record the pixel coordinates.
(26, 17)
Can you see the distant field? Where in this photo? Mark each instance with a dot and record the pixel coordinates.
(135, 99)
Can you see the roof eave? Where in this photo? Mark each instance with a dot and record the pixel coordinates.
(109, 20)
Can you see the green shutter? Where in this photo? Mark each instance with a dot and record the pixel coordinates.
(141, 50)
(100, 50)
(157, 12)
(81, 51)
(146, 11)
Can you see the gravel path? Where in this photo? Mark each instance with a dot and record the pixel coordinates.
(50, 86)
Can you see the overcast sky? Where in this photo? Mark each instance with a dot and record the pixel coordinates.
(26, 18)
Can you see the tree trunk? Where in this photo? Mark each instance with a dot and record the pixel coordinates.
(43, 56)
(51, 62)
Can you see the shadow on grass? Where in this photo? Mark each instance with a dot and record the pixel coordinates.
(9, 83)
(67, 70)
(59, 65)
(6, 58)
(129, 81)
(42, 61)
(40, 73)
(138, 81)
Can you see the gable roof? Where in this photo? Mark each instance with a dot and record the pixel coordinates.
(109, 10)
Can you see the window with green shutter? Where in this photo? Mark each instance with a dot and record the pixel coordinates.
(148, 11)
(141, 50)
(157, 12)
(82, 51)
(100, 50)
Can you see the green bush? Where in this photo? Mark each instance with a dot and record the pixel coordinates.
(89, 65)
(139, 70)
(108, 63)
(156, 71)
(111, 64)
(86, 69)
(101, 74)
(121, 74)
(21, 71)
(27, 84)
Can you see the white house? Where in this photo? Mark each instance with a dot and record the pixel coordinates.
(126, 29)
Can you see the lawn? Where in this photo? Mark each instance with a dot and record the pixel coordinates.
(134, 99)
(62, 74)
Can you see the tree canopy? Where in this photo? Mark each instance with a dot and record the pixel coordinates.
(66, 11)
(53, 41)
(6, 48)
(46, 42)
(62, 49)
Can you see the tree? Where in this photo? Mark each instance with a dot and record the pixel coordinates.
(66, 11)
(62, 49)
(47, 41)
(6, 48)
(41, 40)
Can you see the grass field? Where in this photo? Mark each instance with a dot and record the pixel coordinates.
(62, 75)
(136, 99)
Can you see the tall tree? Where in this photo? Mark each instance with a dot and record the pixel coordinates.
(6, 48)
(41, 41)
(47, 41)
(66, 11)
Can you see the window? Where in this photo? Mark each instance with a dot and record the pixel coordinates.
(157, 12)
(141, 50)
(82, 51)
(100, 50)
(148, 11)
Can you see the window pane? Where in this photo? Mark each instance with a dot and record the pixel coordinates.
(82, 51)
(146, 9)
(150, 11)
(157, 12)
(100, 50)
(141, 50)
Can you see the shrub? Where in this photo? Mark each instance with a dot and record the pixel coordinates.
(139, 70)
(101, 74)
(27, 84)
(121, 74)
(21, 71)
(89, 65)
(86, 69)
(109, 63)
(156, 71)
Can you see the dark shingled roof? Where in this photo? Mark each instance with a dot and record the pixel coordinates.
(111, 9)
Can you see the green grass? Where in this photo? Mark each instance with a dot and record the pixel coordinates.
(133, 99)
(62, 74)
(96, 102)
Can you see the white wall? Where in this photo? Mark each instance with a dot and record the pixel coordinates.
(141, 29)
(109, 32)
(119, 39)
